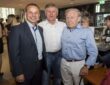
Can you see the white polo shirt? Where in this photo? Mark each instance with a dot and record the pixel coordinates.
(52, 35)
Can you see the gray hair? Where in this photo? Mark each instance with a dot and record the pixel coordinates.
(51, 5)
(73, 9)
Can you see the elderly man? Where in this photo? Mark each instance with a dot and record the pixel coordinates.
(77, 42)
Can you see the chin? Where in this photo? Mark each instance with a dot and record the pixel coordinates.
(33, 21)
(71, 26)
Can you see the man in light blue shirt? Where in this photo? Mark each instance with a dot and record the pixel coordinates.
(38, 39)
(77, 43)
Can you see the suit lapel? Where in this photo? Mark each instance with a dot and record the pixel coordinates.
(41, 33)
(29, 33)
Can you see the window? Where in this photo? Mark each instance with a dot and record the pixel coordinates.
(4, 12)
(97, 9)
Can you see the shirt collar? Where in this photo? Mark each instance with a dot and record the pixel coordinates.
(30, 25)
(50, 23)
(77, 27)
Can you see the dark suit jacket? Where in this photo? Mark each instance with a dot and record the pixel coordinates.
(22, 50)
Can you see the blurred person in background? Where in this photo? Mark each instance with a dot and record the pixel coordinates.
(85, 21)
(15, 21)
(106, 34)
(2, 25)
(1, 50)
(106, 31)
(9, 22)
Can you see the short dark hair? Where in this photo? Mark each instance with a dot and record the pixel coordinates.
(11, 16)
(107, 18)
(50, 5)
(31, 4)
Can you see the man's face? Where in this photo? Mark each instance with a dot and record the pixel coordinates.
(72, 19)
(32, 14)
(51, 13)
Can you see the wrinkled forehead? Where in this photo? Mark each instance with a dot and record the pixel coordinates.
(51, 8)
(32, 7)
(72, 12)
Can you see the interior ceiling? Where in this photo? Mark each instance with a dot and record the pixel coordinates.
(42, 3)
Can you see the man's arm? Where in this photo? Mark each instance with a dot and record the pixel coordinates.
(14, 52)
(92, 50)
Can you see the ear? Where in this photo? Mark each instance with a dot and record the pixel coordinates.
(39, 17)
(79, 19)
(24, 16)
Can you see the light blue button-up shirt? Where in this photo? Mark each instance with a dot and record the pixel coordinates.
(37, 38)
(77, 43)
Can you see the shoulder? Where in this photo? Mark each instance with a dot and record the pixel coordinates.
(42, 23)
(87, 31)
(17, 28)
(40, 28)
(61, 23)
(80, 27)
(14, 30)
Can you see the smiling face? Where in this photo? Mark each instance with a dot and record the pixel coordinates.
(32, 14)
(51, 13)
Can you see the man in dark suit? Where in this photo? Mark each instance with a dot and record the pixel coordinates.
(26, 49)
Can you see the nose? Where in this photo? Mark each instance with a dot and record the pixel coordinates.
(33, 14)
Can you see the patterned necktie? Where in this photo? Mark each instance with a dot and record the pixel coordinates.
(35, 36)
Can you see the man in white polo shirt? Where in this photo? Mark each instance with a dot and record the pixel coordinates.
(52, 29)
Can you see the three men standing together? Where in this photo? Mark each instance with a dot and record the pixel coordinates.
(67, 45)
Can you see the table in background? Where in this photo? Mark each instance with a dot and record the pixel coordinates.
(96, 75)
